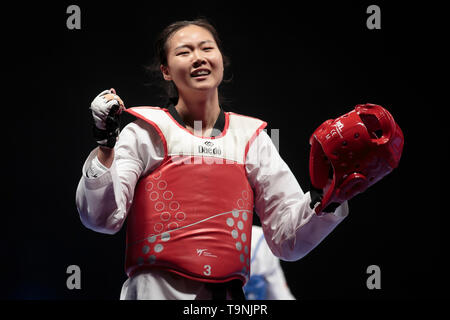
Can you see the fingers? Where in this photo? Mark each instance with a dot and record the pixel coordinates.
(104, 101)
(112, 96)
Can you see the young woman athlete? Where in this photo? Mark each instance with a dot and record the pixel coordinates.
(188, 177)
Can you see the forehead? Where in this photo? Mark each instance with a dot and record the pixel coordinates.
(189, 34)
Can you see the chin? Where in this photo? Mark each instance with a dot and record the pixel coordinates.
(205, 86)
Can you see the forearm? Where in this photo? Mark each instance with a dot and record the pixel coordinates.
(109, 176)
(309, 231)
(291, 227)
(96, 199)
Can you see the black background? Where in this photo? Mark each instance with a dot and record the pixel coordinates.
(294, 65)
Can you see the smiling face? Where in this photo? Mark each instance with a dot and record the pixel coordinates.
(194, 61)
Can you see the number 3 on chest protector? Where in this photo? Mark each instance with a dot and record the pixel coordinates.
(207, 269)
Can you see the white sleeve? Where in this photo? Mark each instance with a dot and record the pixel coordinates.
(103, 201)
(290, 226)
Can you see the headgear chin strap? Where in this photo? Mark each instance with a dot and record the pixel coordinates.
(355, 150)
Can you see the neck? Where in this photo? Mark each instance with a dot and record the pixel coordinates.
(199, 113)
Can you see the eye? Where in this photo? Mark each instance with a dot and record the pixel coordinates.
(182, 53)
(208, 48)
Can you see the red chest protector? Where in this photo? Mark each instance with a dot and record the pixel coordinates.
(193, 214)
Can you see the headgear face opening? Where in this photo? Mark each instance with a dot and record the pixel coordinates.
(355, 150)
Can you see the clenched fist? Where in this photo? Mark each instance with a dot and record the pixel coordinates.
(106, 108)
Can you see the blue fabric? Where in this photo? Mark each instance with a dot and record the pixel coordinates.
(256, 288)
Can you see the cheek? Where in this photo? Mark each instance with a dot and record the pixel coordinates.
(178, 69)
(217, 62)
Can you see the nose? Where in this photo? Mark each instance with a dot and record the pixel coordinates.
(198, 60)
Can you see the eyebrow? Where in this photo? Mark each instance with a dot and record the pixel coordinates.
(188, 46)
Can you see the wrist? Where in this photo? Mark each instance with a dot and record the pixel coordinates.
(106, 138)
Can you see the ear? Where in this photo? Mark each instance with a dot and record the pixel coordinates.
(165, 72)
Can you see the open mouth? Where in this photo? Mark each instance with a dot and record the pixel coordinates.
(200, 73)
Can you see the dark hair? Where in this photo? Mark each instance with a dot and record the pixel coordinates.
(160, 57)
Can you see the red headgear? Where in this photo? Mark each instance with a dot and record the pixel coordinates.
(358, 149)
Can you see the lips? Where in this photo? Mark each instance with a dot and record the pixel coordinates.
(200, 73)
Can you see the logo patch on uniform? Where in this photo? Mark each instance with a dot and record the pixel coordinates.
(209, 148)
(205, 253)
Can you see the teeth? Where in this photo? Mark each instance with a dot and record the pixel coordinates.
(200, 73)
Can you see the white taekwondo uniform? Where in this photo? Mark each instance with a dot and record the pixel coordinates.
(190, 200)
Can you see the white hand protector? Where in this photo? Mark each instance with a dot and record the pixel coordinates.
(101, 107)
(106, 108)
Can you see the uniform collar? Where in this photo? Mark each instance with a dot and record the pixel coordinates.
(218, 126)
